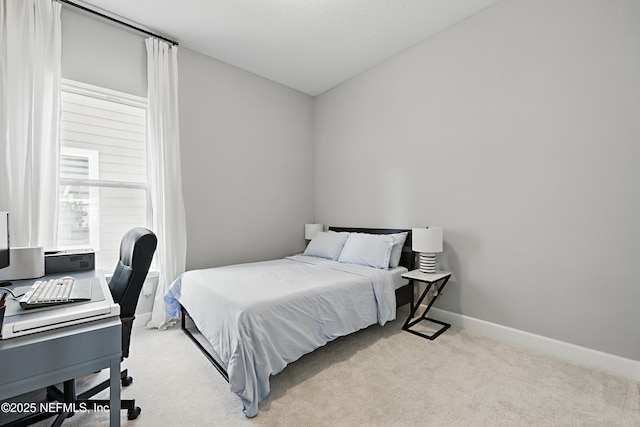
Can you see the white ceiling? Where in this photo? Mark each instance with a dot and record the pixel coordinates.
(309, 45)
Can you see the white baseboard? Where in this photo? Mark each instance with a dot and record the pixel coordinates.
(141, 320)
(581, 355)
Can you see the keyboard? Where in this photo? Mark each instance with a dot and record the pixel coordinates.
(54, 292)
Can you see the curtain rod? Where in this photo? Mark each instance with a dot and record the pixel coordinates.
(133, 27)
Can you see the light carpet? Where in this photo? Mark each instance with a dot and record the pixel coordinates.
(380, 376)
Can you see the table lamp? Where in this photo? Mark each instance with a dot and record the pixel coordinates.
(427, 241)
(310, 230)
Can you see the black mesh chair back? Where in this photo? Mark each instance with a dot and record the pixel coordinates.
(136, 252)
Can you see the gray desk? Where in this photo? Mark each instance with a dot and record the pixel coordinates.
(42, 359)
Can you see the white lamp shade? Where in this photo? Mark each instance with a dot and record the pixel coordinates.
(310, 230)
(427, 240)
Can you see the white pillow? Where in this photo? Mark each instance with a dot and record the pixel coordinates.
(326, 245)
(367, 249)
(396, 251)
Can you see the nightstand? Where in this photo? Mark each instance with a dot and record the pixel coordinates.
(438, 280)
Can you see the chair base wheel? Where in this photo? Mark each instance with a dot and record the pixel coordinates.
(126, 381)
(132, 414)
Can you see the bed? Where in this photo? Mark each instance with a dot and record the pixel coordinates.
(251, 320)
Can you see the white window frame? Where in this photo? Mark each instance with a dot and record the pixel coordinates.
(109, 95)
(94, 183)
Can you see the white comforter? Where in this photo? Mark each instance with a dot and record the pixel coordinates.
(261, 316)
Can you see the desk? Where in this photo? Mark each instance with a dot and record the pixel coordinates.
(45, 358)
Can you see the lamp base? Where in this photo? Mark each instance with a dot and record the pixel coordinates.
(428, 263)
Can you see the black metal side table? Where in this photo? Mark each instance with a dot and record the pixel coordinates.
(438, 280)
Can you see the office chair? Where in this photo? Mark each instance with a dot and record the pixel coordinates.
(136, 251)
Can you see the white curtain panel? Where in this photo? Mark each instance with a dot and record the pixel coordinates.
(30, 60)
(164, 165)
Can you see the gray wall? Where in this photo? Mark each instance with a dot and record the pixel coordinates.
(517, 131)
(97, 52)
(247, 143)
(247, 156)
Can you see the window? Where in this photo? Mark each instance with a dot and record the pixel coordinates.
(104, 188)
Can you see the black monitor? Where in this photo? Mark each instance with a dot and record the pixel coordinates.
(4, 239)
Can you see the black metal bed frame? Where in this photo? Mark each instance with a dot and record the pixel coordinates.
(186, 319)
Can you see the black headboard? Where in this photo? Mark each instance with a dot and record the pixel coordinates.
(407, 258)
